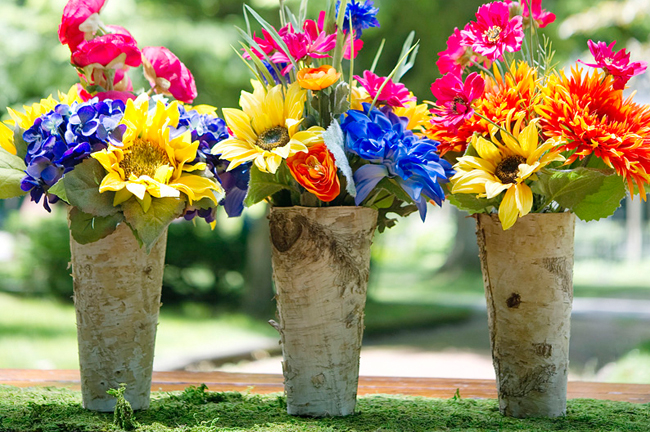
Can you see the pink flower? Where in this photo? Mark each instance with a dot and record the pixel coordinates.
(541, 16)
(494, 32)
(115, 95)
(456, 57)
(454, 98)
(112, 51)
(393, 94)
(351, 42)
(614, 63)
(311, 42)
(167, 74)
(79, 22)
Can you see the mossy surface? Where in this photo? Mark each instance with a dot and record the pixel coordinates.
(195, 410)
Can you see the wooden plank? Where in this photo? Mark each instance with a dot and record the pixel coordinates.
(272, 383)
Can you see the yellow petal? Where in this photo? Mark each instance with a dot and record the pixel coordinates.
(524, 199)
(112, 182)
(508, 209)
(7, 138)
(529, 139)
(494, 188)
(486, 149)
(136, 189)
(240, 124)
(274, 106)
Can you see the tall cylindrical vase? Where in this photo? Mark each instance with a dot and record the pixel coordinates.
(321, 260)
(117, 289)
(528, 278)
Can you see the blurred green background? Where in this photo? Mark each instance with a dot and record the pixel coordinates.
(217, 284)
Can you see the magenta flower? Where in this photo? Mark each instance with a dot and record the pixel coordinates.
(456, 57)
(167, 74)
(112, 50)
(350, 43)
(454, 98)
(541, 16)
(494, 32)
(79, 22)
(614, 63)
(393, 94)
(311, 42)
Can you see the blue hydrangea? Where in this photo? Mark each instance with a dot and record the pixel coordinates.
(362, 14)
(209, 130)
(65, 137)
(381, 139)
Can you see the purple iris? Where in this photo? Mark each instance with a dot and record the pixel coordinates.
(381, 138)
(362, 14)
(209, 130)
(65, 137)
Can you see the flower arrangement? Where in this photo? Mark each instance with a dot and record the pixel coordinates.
(527, 137)
(317, 135)
(113, 156)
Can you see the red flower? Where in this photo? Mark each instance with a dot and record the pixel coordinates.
(112, 51)
(79, 22)
(494, 32)
(393, 94)
(167, 74)
(316, 172)
(454, 98)
(614, 63)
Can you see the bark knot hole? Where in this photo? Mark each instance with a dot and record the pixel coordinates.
(543, 349)
(318, 380)
(285, 231)
(514, 300)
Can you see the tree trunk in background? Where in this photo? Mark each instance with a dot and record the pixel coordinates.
(258, 298)
(464, 252)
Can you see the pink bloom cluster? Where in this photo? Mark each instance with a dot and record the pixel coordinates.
(614, 63)
(393, 94)
(494, 32)
(313, 41)
(103, 55)
(542, 17)
(454, 98)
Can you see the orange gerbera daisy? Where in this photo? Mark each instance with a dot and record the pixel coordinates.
(507, 99)
(592, 118)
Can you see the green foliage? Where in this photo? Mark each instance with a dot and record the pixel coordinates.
(590, 193)
(265, 185)
(471, 204)
(82, 189)
(86, 228)
(11, 173)
(50, 410)
(123, 415)
(149, 226)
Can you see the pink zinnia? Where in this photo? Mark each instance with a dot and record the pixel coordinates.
(456, 57)
(454, 98)
(614, 63)
(494, 32)
(541, 16)
(393, 94)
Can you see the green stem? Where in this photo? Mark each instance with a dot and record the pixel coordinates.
(494, 124)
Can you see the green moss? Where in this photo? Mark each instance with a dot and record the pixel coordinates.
(195, 410)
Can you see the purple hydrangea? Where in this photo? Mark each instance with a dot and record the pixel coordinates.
(381, 139)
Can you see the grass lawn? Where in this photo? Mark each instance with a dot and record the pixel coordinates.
(194, 410)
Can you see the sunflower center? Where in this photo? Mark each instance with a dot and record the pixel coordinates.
(492, 34)
(143, 158)
(508, 169)
(277, 136)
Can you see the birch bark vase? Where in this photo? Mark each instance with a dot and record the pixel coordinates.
(528, 278)
(117, 298)
(321, 260)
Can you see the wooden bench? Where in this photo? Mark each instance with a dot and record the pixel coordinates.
(272, 383)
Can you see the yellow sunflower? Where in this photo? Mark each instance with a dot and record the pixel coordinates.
(150, 163)
(505, 166)
(419, 116)
(266, 128)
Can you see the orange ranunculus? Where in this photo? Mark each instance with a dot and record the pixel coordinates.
(317, 78)
(316, 172)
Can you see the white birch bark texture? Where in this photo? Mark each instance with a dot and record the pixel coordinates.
(321, 263)
(117, 298)
(528, 279)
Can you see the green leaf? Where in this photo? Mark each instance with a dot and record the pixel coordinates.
(58, 189)
(471, 204)
(149, 226)
(604, 202)
(12, 171)
(86, 228)
(340, 96)
(262, 185)
(19, 142)
(82, 189)
(394, 189)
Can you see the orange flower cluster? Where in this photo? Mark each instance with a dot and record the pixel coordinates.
(316, 171)
(507, 99)
(590, 117)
